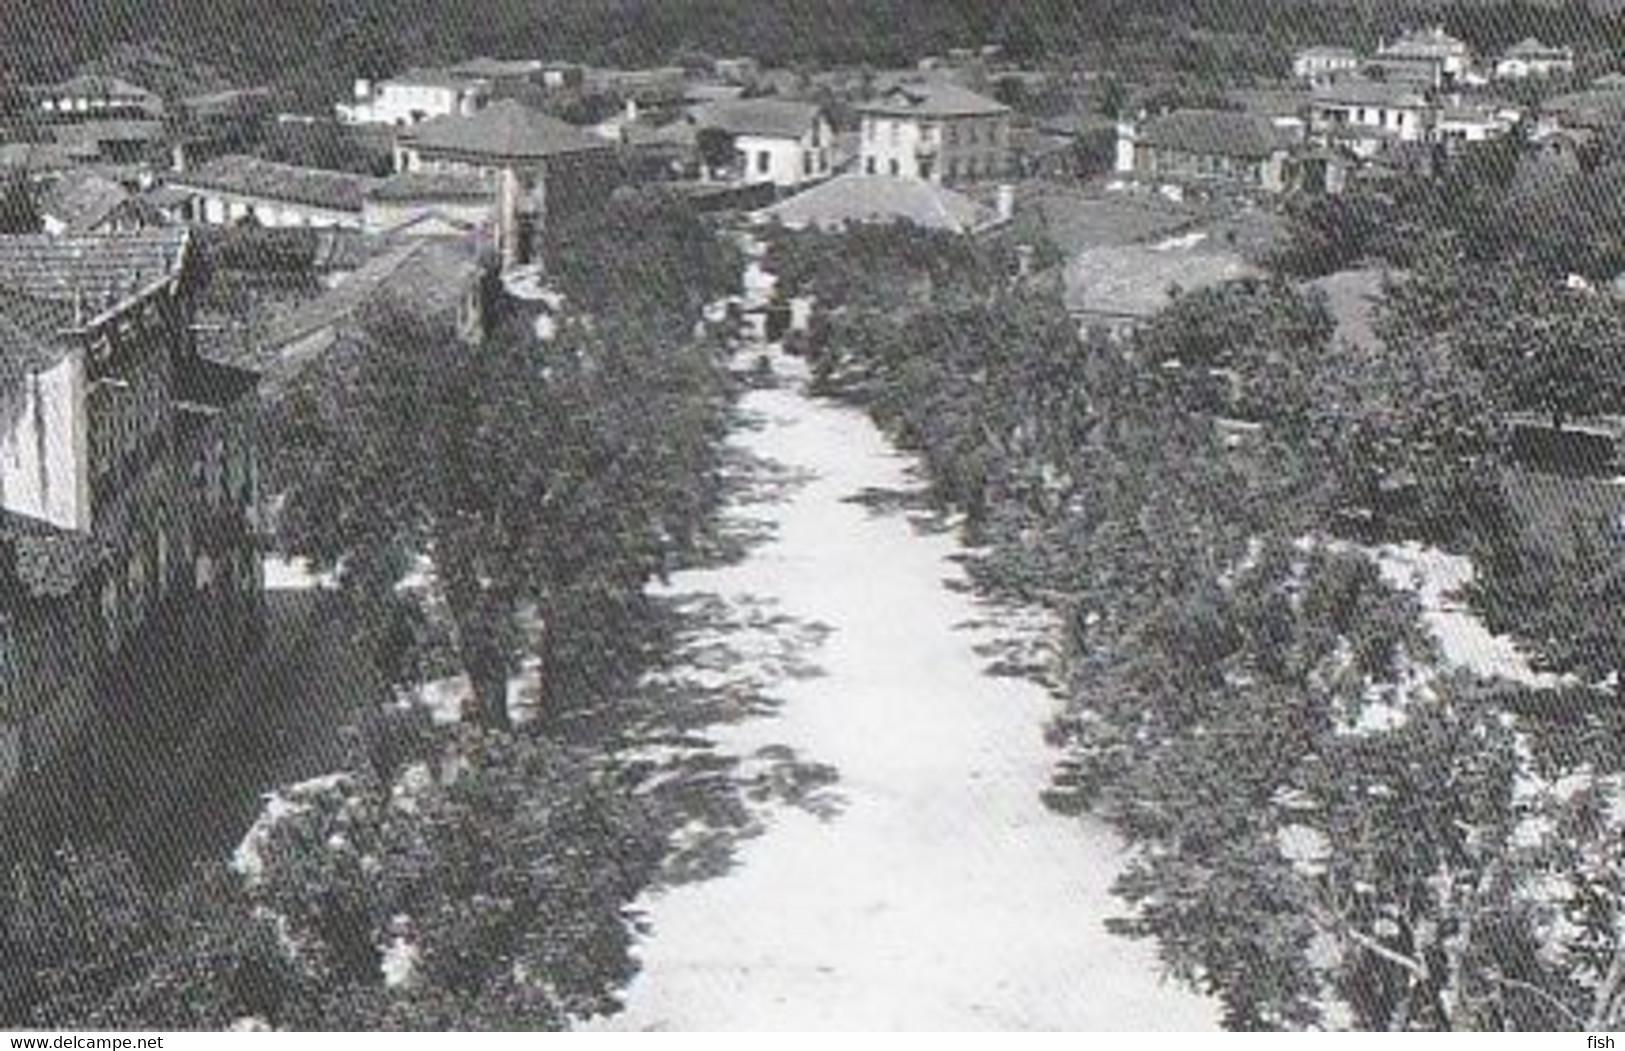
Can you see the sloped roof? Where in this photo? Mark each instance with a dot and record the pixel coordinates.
(91, 85)
(254, 177)
(83, 200)
(99, 131)
(506, 129)
(433, 78)
(1214, 132)
(855, 198)
(1138, 281)
(1530, 47)
(765, 117)
(96, 269)
(425, 274)
(934, 98)
(1328, 51)
(39, 156)
(1426, 43)
(433, 186)
(484, 67)
(1358, 91)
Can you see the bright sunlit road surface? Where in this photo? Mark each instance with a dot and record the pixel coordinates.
(942, 894)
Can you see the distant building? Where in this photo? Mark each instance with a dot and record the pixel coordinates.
(415, 96)
(1119, 288)
(935, 131)
(775, 141)
(1210, 147)
(92, 95)
(1370, 113)
(83, 202)
(741, 70)
(1318, 64)
(1531, 58)
(1430, 56)
(1458, 125)
(543, 166)
(237, 189)
(129, 552)
(850, 200)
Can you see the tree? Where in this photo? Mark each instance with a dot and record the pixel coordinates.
(19, 203)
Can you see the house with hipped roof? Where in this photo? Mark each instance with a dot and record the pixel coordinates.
(541, 165)
(856, 199)
(934, 130)
(129, 536)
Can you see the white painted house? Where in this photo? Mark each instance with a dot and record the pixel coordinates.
(415, 96)
(935, 131)
(775, 141)
(1318, 64)
(1394, 112)
(1531, 58)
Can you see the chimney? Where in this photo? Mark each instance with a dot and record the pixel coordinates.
(1006, 202)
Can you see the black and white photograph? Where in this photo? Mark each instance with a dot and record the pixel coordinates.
(669, 516)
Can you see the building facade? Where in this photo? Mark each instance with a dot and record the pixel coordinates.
(1531, 58)
(414, 97)
(1317, 65)
(1375, 111)
(1216, 148)
(541, 166)
(773, 140)
(128, 491)
(236, 189)
(934, 131)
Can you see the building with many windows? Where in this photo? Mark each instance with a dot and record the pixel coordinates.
(128, 523)
(415, 96)
(936, 131)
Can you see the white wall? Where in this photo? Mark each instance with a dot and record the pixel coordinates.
(787, 159)
(893, 143)
(408, 103)
(44, 449)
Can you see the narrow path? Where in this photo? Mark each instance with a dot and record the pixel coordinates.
(935, 891)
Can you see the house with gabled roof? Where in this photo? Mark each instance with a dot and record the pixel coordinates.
(934, 130)
(779, 141)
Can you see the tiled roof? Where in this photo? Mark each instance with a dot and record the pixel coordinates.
(1427, 43)
(425, 275)
(1356, 91)
(1138, 281)
(506, 129)
(94, 271)
(432, 78)
(433, 186)
(82, 200)
(253, 177)
(879, 199)
(1220, 133)
(40, 156)
(99, 131)
(1326, 51)
(933, 99)
(766, 117)
(94, 86)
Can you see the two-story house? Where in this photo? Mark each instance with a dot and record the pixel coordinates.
(936, 131)
(542, 166)
(1367, 115)
(129, 555)
(415, 96)
(776, 141)
(1430, 57)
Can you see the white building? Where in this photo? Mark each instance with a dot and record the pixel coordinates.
(774, 140)
(935, 131)
(414, 97)
(1531, 58)
(1395, 112)
(1457, 124)
(1319, 64)
(1428, 54)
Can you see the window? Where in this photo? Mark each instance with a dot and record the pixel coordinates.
(896, 132)
(110, 612)
(869, 165)
(895, 166)
(809, 164)
(952, 134)
(764, 162)
(870, 129)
